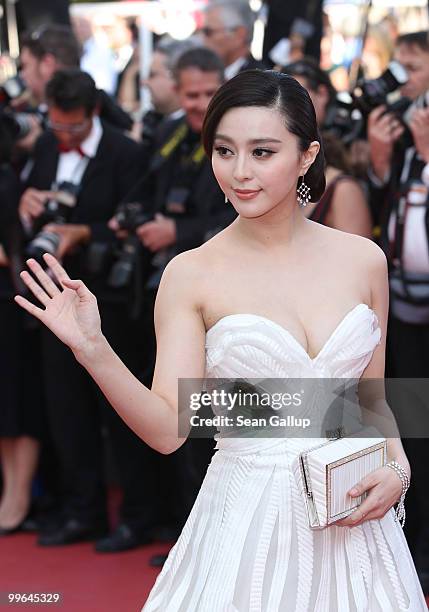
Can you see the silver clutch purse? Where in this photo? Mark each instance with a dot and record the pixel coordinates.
(328, 470)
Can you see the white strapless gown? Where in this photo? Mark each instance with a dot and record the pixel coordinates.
(246, 546)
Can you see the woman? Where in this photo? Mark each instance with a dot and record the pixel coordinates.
(20, 405)
(246, 544)
(343, 206)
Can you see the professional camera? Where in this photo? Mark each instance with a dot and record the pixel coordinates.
(368, 94)
(18, 124)
(129, 217)
(347, 117)
(57, 210)
(343, 120)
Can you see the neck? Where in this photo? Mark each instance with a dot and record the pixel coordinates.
(168, 109)
(279, 229)
(236, 54)
(191, 130)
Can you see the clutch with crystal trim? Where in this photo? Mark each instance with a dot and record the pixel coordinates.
(328, 470)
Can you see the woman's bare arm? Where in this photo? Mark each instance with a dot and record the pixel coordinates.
(372, 387)
(72, 315)
(383, 485)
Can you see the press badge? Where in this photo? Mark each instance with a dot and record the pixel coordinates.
(176, 200)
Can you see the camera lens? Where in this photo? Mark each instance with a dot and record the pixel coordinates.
(45, 242)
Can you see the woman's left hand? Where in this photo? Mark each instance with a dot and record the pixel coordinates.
(384, 489)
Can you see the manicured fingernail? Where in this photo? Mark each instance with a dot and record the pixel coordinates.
(353, 492)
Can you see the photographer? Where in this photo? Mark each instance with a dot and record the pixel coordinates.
(180, 193)
(43, 52)
(82, 169)
(412, 51)
(178, 188)
(345, 114)
(163, 90)
(400, 185)
(385, 129)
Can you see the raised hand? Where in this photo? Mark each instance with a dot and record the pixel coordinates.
(384, 129)
(70, 310)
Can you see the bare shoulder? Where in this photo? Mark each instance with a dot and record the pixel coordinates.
(183, 268)
(348, 193)
(360, 255)
(187, 275)
(347, 184)
(370, 262)
(368, 251)
(180, 281)
(195, 263)
(351, 244)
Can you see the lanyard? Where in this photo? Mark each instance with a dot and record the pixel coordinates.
(176, 139)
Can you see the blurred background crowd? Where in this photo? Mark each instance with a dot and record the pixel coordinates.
(101, 164)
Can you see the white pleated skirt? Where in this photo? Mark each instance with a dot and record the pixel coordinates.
(247, 547)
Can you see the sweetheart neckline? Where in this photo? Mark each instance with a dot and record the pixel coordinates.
(290, 335)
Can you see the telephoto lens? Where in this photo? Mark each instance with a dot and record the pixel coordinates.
(372, 93)
(57, 210)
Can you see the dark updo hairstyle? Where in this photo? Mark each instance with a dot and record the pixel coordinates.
(270, 89)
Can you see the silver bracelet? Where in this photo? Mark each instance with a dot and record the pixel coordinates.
(405, 481)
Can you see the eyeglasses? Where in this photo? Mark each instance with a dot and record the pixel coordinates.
(76, 128)
(208, 31)
(153, 74)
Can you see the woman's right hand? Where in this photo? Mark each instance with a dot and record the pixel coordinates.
(70, 310)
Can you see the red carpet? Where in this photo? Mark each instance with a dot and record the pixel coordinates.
(88, 581)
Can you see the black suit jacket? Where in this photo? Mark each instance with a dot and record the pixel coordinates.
(10, 190)
(10, 229)
(252, 63)
(281, 16)
(206, 211)
(106, 180)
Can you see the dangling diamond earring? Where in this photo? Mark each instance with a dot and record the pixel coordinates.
(303, 193)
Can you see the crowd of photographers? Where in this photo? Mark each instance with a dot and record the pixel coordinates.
(116, 209)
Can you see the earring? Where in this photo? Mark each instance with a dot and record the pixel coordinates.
(226, 199)
(303, 193)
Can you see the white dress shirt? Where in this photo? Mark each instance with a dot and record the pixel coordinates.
(72, 165)
(234, 68)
